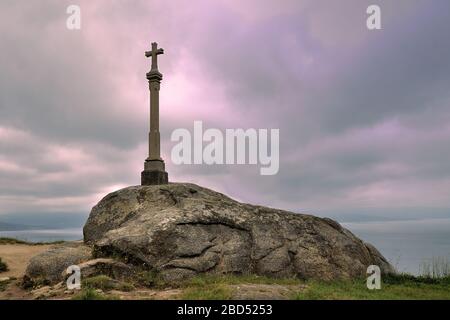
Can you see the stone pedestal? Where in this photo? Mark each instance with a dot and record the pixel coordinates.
(154, 173)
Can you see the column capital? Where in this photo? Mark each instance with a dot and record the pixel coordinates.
(154, 76)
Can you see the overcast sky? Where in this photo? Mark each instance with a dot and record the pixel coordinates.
(364, 116)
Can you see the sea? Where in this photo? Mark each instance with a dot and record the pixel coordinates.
(408, 245)
(44, 235)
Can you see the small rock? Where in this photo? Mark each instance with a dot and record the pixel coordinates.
(42, 293)
(46, 268)
(109, 267)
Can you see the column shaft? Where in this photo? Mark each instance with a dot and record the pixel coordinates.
(154, 136)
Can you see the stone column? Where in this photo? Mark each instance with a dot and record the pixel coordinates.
(154, 167)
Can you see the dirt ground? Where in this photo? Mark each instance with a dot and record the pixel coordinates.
(17, 257)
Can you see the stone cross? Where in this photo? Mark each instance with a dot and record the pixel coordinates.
(154, 54)
(154, 167)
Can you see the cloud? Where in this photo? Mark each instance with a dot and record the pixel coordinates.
(363, 115)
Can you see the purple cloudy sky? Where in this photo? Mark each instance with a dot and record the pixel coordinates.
(364, 116)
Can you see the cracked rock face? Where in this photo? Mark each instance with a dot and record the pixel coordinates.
(181, 230)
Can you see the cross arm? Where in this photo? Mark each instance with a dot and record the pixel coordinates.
(149, 53)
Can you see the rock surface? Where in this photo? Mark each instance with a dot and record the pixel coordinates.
(47, 268)
(114, 269)
(181, 230)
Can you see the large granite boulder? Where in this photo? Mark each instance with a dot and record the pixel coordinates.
(181, 230)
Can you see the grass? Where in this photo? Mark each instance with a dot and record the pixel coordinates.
(403, 278)
(151, 279)
(398, 287)
(105, 283)
(12, 241)
(208, 292)
(4, 240)
(92, 294)
(223, 287)
(203, 280)
(218, 287)
(3, 266)
(207, 287)
(436, 267)
(394, 287)
(92, 288)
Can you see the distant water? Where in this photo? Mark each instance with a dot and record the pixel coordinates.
(45, 235)
(406, 244)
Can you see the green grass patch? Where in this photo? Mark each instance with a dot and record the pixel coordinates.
(207, 292)
(4, 240)
(405, 278)
(92, 294)
(207, 279)
(391, 289)
(12, 241)
(3, 266)
(151, 279)
(394, 287)
(222, 287)
(218, 287)
(436, 267)
(105, 283)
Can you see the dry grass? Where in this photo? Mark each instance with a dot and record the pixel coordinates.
(436, 267)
